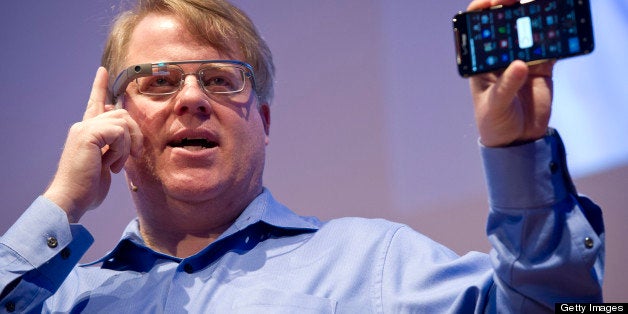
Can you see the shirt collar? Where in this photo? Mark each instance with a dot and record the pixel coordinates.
(264, 208)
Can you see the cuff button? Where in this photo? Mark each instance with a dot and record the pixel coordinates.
(588, 242)
(52, 242)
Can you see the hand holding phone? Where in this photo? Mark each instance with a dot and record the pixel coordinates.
(489, 40)
(511, 106)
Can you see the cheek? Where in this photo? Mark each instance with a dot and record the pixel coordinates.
(252, 139)
(151, 122)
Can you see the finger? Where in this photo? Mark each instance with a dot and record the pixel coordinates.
(119, 162)
(121, 119)
(544, 68)
(119, 149)
(98, 95)
(484, 4)
(137, 138)
(478, 5)
(134, 138)
(510, 82)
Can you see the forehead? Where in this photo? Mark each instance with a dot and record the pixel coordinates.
(165, 38)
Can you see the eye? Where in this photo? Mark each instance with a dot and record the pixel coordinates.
(218, 81)
(161, 81)
(159, 84)
(222, 79)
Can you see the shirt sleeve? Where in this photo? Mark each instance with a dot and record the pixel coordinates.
(548, 241)
(36, 255)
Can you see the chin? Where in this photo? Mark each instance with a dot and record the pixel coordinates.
(191, 179)
(194, 193)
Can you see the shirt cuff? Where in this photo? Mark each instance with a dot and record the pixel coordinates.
(532, 175)
(43, 232)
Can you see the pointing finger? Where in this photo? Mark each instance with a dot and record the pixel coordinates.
(98, 95)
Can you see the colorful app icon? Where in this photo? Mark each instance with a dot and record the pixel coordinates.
(574, 45)
(549, 20)
(490, 60)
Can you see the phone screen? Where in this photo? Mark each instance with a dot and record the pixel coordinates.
(543, 29)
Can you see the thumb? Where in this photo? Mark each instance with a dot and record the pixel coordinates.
(510, 82)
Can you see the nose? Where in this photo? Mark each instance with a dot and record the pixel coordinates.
(192, 99)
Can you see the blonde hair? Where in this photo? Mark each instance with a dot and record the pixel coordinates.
(213, 22)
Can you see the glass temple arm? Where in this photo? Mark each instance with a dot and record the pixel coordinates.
(126, 76)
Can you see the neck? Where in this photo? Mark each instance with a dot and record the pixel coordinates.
(176, 240)
(181, 228)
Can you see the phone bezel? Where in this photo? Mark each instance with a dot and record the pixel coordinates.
(462, 49)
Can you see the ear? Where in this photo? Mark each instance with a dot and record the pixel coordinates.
(264, 111)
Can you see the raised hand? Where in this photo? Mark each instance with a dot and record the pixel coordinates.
(95, 147)
(513, 105)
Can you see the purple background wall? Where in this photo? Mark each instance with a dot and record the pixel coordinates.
(370, 117)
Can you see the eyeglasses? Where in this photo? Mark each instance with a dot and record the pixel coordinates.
(167, 78)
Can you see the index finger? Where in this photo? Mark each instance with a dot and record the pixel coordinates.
(98, 95)
(484, 4)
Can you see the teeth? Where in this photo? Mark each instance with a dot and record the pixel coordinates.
(194, 142)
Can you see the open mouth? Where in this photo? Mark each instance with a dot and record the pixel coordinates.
(193, 143)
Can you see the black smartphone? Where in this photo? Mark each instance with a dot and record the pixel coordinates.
(488, 40)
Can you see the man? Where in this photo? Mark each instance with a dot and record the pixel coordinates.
(188, 120)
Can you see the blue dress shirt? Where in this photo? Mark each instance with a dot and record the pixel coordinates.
(547, 247)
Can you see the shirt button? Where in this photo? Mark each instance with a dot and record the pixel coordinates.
(52, 242)
(10, 306)
(188, 268)
(553, 167)
(65, 253)
(588, 242)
